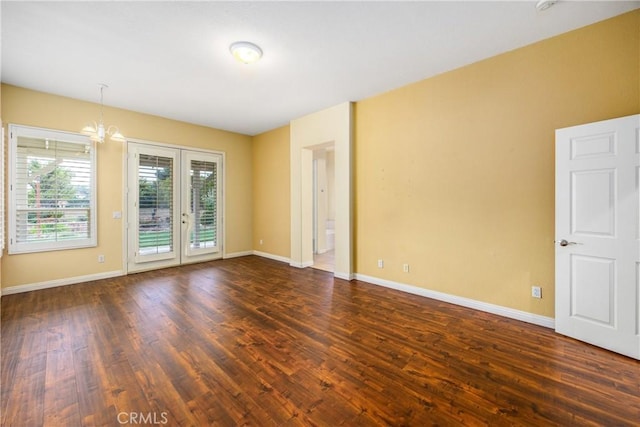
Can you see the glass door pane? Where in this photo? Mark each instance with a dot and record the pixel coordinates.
(155, 213)
(203, 204)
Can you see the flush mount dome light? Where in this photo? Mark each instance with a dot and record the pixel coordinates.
(245, 52)
(545, 4)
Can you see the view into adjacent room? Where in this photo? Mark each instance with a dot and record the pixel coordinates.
(324, 208)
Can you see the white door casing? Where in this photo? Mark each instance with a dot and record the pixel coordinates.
(597, 234)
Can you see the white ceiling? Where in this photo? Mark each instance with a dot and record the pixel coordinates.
(171, 59)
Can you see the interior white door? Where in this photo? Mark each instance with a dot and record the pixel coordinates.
(201, 206)
(174, 206)
(597, 234)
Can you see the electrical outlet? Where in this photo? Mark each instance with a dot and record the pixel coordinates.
(536, 291)
(380, 263)
(261, 241)
(101, 258)
(405, 268)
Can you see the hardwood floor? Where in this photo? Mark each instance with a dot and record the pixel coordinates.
(253, 341)
(325, 261)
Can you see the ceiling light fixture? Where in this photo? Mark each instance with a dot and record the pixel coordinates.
(545, 4)
(97, 131)
(246, 52)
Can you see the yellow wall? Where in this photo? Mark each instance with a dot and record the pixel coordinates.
(455, 174)
(27, 107)
(271, 193)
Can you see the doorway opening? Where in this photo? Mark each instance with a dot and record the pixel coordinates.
(324, 211)
(332, 126)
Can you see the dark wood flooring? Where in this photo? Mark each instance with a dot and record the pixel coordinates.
(250, 341)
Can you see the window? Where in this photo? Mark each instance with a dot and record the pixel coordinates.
(52, 190)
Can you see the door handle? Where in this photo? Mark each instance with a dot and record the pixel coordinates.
(564, 242)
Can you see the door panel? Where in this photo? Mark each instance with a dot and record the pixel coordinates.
(153, 206)
(593, 285)
(593, 146)
(597, 205)
(637, 331)
(200, 206)
(593, 202)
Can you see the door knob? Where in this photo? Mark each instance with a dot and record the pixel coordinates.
(564, 242)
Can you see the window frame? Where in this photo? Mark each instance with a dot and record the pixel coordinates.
(15, 247)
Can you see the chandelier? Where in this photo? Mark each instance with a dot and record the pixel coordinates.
(97, 132)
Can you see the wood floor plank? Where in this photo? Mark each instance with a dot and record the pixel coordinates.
(61, 399)
(251, 341)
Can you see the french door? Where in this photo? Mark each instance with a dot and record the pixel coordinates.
(174, 206)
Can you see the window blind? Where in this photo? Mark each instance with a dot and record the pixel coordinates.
(52, 191)
(155, 192)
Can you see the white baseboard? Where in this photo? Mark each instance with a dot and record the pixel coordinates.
(301, 264)
(344, 276)
(272, 256)
(339, 275)
(511, 313)
(237, 254)
(61, 282)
